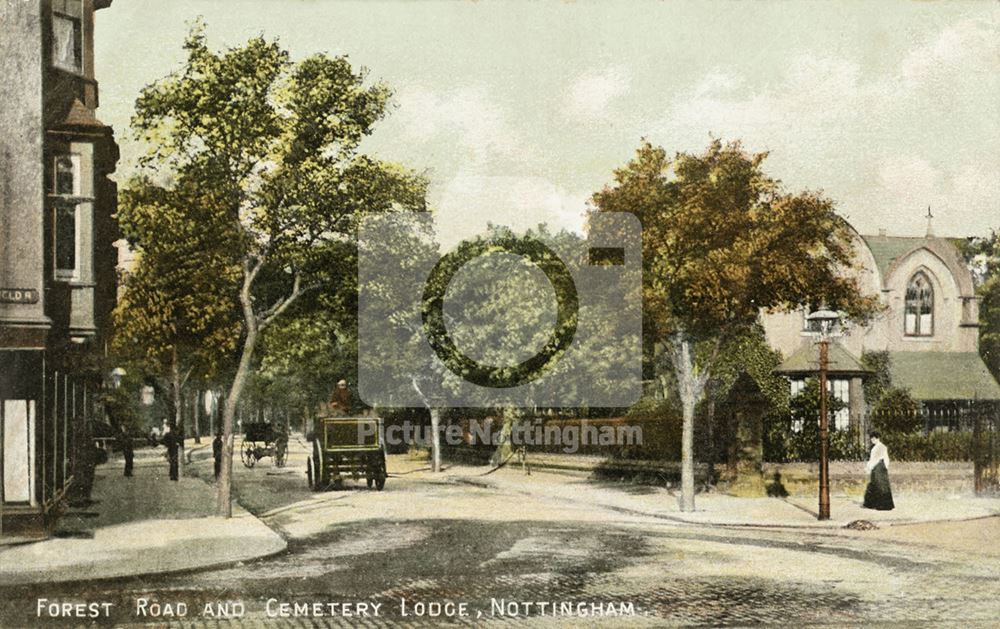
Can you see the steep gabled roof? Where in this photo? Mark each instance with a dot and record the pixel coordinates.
(886, 249)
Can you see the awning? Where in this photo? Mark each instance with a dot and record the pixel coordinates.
(943, 376)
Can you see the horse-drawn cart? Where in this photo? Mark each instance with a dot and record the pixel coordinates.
(347, 446)
(261, 440)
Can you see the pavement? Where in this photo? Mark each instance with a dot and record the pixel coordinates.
(141, 525)
(147, 524)
(720, 509)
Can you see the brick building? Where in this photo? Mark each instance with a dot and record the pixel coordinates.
(57, 260)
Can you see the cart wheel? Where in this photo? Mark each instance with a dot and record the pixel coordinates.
(380, 475)
(248, 454)
(280, 452)
(319, 477)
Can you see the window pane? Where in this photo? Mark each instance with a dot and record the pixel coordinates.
(842, 419)
(66, 179)
(65, 237)
(919, 307)
(66, 44)
(73, 7)
(925, 323)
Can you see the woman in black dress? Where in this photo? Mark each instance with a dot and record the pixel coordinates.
(878, 494)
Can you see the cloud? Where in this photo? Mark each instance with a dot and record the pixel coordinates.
(884, 144)
(592, 92)
(957, 49)
(966, 195)
(465, 118)
(468, 203)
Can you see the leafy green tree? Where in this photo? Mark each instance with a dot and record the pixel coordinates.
(177, 315)
(721, 242)
(984, 254)
(893, 409)
(880, 381)
(897, 412)
(803, 442)
(499, 308)
(268, 149)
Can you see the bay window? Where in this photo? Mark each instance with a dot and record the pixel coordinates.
(67, 35)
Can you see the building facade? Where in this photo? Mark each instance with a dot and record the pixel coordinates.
(57, 260)
(929, 327)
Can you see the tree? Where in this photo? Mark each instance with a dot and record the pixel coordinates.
(488, 311)
(177, 314)
(984, 254)
(893, 408)
(721, 242)
(268, 149)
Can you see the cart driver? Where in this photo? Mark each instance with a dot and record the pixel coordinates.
(340, 401)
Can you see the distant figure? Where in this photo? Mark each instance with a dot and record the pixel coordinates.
(126, 444)
(217, 452)
(340, 401)
(776, 489)
(878, 494)
(173, 442)
(154, 436)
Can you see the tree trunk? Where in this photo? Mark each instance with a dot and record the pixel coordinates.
(691, 386)
(687, 455)
(212, 421)
(224, 498)
(197, 416)
(175, 388)
(435, 440)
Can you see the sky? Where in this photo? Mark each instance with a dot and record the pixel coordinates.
(518, 112)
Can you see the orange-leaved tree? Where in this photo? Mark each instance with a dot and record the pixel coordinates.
(723, 241)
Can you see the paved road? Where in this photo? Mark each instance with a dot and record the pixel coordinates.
(428, 541)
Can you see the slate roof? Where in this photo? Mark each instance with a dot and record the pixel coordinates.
(943, 375)
(886, 249)
(80, 116)
(805, 361)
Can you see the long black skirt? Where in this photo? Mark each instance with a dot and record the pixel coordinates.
(878, 495)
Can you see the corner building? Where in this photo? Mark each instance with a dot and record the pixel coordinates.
(57, 258)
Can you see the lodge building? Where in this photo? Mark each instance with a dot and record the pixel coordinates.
(57, 260)
(929, 327)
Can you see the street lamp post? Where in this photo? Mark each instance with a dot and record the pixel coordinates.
(827, 320)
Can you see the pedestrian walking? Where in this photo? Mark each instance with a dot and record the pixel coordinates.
(217, 452)
(125, 440)
(878, 494)
(173, 442)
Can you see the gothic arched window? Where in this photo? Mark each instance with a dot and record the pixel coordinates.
(919, 314)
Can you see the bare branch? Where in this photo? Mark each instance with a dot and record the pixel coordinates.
(269, 315)
(416, 387)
